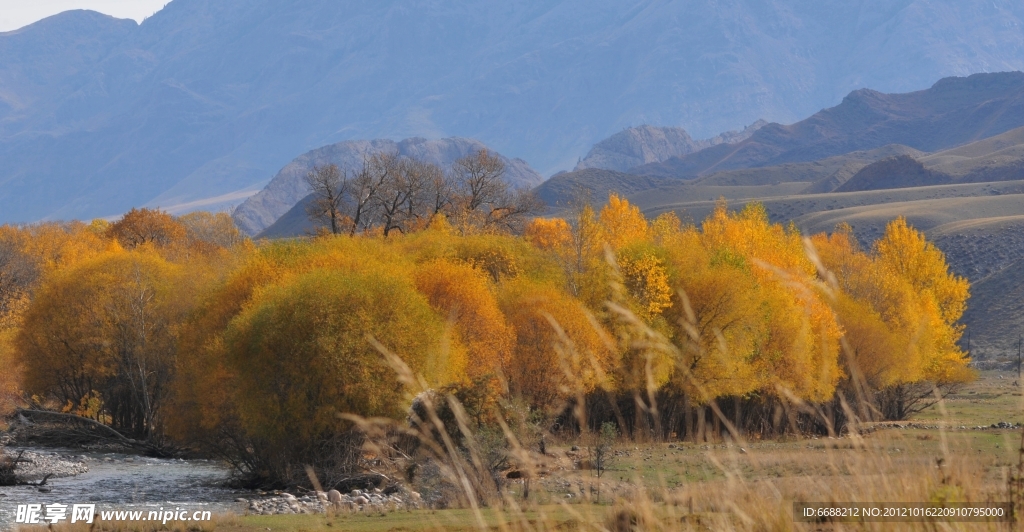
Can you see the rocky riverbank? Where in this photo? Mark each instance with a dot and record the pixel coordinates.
(322, 502)
(34, 466)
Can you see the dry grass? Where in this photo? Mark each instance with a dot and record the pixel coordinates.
(731, 484)
(742, 485)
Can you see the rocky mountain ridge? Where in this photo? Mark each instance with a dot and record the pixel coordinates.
(204, 101)
(646, 144)
(953, 112)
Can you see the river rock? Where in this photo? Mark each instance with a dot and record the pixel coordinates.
(34, 466)
(397, 498)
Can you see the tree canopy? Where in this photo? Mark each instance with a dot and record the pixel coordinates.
(179, 328)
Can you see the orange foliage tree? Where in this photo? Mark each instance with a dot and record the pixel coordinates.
(142, 226)
(465, 296)
(558, 352)
(155, 323)
(900, 306)
(106, 329)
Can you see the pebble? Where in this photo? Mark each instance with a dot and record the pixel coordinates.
(40, 465)
(320, 502)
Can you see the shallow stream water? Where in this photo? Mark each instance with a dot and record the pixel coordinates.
(120, 481)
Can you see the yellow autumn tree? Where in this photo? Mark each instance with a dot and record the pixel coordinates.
(464, 296)
(796, 346)
(106, 329)
(622, 223)
(27, 255)
(646, 279)
(302, 354)
(899, 308)
(204, 404)
(558, 352)
(716, 320)
(549, 234)
(871, 343)
(927, 301)
(141, 226)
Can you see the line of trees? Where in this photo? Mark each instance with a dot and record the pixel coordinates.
(394, 193)
(179, 329)
(92, 313)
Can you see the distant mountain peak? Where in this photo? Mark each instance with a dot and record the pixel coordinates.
(646, 144)
(73, 20)
(957, 111)
(207, 98)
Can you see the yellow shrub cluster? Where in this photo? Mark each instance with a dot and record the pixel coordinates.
(178, 327)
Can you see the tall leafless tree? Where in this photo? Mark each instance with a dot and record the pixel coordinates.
(485, 199)
(396, 193)
(378, 170)
(479, 179)
(421, 180)
(329, 186)
(440, 191)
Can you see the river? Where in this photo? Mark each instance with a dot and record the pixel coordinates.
(117, 481)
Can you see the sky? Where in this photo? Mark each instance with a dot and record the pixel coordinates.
(15, 14)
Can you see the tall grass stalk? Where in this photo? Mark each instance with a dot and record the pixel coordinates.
(749, 485)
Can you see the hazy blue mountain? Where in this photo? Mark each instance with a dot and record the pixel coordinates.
(954, 111)
(645, 144)
(204, 101)
(289, 187)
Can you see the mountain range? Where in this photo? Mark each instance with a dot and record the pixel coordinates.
(949, 159)
(951, 112)
(201, 104)
(637, 146)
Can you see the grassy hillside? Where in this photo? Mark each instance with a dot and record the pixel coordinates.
(823, 211)
(953, 112)
(980, 247)
(995, 313)
(826, 174)
(594, 183)
(997, 158)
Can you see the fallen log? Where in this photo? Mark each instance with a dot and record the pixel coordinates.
(78, 419)
(100, 432)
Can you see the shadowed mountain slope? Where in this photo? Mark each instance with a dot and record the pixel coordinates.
(637, 146)
(901, 171)
(954, 111)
